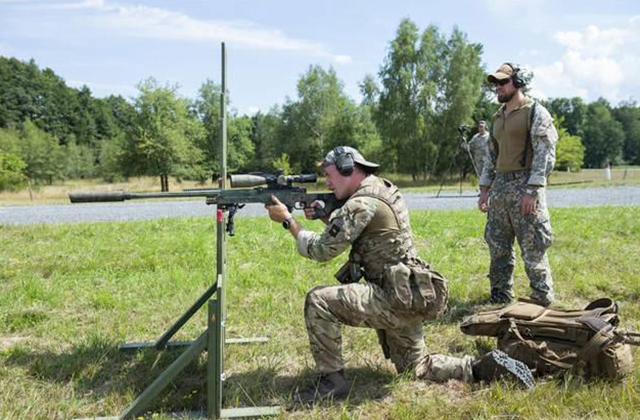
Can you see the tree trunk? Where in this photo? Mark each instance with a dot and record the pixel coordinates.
(164, 183)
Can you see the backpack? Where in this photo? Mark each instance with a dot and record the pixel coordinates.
(583, 342)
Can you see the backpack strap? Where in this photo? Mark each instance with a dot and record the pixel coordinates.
(527, 144)
(601, 340)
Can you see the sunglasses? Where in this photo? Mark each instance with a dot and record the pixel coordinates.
(502, 82)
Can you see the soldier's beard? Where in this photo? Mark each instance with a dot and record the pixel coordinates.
(505, 97)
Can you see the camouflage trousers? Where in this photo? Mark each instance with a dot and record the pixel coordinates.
(534, 235)
(360, 305)
(441, 368)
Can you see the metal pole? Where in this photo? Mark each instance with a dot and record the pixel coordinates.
(217, 311)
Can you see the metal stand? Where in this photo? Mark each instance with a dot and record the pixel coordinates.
(213, 338)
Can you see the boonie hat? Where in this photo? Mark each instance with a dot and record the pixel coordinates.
(505, 71)
(331, 157)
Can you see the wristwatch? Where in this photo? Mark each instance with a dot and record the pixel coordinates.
(531, 191)
(287, 223)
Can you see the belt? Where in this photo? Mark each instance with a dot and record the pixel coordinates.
(510, 176)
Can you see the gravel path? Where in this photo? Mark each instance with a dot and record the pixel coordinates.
(132, 210)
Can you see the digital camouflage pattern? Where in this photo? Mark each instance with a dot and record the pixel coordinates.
(479, 148)
(375, 222)
(533, 232)
(505, 223)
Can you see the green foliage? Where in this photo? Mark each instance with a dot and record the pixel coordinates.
(322, 118)
(162, 140)
(11, 172)
(265, 138)
(430, 85)
(628, 114)
(282, 163)
(603, 136)
(572, 110)
(569, 150)
(40, 151)
(241, 151)
(80, 161)
(112, 159)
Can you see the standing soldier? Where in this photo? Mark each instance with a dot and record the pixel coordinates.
(522, 154)
(479, 148)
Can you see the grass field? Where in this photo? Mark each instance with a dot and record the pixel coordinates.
(70, 294)
(57, 193)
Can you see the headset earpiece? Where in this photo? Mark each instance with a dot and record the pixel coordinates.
(517, 80)
(344, 161)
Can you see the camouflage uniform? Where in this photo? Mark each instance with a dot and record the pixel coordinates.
(400, 290)
(479, 148)
(504, 221)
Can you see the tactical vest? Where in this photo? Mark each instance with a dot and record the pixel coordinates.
(511, 138)
(555, 341)
(385, 251)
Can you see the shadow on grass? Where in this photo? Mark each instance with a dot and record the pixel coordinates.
(98, 371)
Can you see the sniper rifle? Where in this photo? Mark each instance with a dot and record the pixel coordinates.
(246, 188)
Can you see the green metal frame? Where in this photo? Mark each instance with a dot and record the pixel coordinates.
(213, 338)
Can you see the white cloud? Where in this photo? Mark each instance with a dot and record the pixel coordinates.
(342, 59)
(157, 23)
(596, 63)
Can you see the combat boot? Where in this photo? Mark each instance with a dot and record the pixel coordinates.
(330, 386)
(496, 364)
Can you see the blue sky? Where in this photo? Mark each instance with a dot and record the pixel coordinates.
(584, 48)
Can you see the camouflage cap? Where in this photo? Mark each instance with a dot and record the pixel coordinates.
(331, 158)
(505, 71)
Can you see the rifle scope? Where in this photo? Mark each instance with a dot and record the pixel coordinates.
(273, 181)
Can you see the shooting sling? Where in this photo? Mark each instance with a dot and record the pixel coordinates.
(558, 341)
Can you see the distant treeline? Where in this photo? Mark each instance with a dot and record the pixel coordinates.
(428, 84)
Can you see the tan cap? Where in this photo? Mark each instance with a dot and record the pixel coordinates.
(505, 71)
(332, 157)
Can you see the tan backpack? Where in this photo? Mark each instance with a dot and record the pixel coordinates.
(549, 341)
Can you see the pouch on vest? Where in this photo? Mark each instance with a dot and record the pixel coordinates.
(557, 341)
(415, 288)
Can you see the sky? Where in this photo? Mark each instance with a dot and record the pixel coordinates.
(586, 48)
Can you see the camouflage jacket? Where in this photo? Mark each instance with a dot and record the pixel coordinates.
(374, 221)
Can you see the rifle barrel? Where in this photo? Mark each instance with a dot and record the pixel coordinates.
(98, 197)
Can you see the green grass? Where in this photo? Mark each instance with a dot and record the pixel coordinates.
(70, 294)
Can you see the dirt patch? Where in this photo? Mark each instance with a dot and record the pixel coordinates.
(8, 342)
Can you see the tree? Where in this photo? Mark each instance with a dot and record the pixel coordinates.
(603, 136)
(573, 111)
(207, 107)
(43, 155)
(11, 172)
(321, 118)
(569, 149)
(264, 136)
(628, 115)
(164, 134)
(429, 86)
